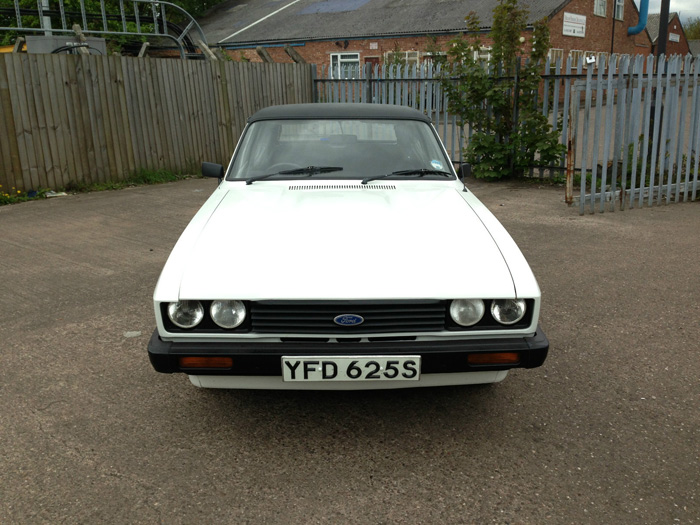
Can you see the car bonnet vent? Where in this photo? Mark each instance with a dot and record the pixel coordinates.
(316, 187)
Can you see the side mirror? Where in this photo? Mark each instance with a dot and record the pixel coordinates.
(465, 170)
(215, 171)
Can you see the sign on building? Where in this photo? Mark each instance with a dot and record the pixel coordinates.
(674, 37)
(574, 25)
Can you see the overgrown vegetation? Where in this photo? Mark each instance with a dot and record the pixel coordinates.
(497, 97)
(692, 28)
(140, 178)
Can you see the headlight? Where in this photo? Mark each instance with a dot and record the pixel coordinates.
(508, 311)
(467, 312)
(227, 314)
(186, 314)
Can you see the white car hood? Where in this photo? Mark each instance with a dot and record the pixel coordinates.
(336, 240)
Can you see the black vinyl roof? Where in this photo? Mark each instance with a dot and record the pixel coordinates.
(334, 111)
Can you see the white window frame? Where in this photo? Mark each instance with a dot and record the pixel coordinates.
(600, 7)
(575, 57)
(410, 58)
(484, 54)
(338, 60)
(430, 56)
(619, 10)
(554, 55)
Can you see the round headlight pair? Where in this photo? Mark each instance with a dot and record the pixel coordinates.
(468, 312)
(188, 314)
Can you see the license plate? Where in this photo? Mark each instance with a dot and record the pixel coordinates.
(351, 368)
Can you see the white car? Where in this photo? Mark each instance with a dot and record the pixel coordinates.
(341, 251)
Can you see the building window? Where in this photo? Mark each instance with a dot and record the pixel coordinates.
(435, 57)
(619, 9)
(404, 58)
(345, 65)
(603, 59)
(600, 7)
(575, 58)
(554, 55)
(483, 55)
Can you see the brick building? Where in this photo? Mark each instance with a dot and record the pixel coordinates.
(337, 34)
(676, 42)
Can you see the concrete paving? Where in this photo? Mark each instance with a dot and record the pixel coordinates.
(607, 431)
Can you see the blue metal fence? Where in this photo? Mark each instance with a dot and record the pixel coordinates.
(631, 125)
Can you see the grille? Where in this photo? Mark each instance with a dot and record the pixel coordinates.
(293, 317)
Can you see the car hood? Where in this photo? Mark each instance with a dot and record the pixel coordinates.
(276, 240)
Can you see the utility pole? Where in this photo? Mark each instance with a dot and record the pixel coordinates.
(663, 28)
(46, 20)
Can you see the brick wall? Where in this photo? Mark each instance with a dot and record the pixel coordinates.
(597, 39)
(319, 53)
(599, 30)
(676, 48)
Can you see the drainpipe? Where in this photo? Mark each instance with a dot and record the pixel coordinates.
(643, 12)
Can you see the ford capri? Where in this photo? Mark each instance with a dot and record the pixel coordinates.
(341, 251)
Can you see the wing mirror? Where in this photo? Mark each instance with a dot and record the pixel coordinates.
(215, 171)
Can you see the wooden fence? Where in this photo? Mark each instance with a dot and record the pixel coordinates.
(87, 119)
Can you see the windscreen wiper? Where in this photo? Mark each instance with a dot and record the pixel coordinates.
(420, 172)
(308, 171)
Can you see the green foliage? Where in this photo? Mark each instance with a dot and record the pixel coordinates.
(139, 178)
(93, 8)
(498, 98)
(692, 28)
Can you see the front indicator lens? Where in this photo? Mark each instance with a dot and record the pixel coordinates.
(186, 314)
(467, 312)
(206, 362)
(494, 358)
(227, 314)
(508, 311)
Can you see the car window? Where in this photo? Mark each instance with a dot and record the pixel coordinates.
(361, 147)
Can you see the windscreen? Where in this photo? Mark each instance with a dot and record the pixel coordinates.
(362, 148)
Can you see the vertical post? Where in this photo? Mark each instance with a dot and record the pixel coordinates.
(45, 20)
(663, 28)
(516, 113)
(570, 159)
(367, 95)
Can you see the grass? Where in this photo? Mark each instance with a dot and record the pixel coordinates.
(139, 178)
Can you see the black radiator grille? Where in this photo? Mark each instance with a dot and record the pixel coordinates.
(292, 317)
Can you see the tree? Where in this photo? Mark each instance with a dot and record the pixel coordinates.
(692, 28)
(498, 97)
(72, 10)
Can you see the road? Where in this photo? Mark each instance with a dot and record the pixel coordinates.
(607, 431)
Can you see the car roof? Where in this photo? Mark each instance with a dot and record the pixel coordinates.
(334, 111)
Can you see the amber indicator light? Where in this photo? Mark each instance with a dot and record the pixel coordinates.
(494, 358)
(206, 362)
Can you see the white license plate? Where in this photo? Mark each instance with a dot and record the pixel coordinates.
(351, 368)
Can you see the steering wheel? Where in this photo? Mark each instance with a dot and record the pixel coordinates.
(282, 166)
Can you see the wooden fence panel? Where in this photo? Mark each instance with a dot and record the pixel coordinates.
(68, 119)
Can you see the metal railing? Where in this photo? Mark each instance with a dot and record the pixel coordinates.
(631, 125)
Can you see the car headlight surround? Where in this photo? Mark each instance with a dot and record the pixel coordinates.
(508, 311)
(228, 314)
(467, 312)
(186, 314)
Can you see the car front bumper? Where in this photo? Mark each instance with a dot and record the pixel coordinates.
(264, 359)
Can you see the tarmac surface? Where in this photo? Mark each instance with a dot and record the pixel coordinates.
(607, 431)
